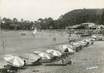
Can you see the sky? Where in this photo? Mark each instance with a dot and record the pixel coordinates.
(35, 9)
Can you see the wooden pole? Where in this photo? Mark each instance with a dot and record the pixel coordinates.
(2, 40)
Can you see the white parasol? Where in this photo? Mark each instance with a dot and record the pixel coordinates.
(54, 52)
(14, 60)
(30, 58)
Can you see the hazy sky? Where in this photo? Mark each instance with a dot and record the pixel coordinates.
(34, 9)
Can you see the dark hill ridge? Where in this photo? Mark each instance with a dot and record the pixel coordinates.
(81, 16)
(88, 10)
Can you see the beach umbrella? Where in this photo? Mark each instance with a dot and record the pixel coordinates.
(82, 43)
(37, 52)
(94, 36)
(89, 41)
(65, 48)
(14, 60)
(54, 52)
(30, 58)
(8, 57)
(85, 40)
(100, 37)
(71, 46)
(93, 39)
(45, 55)
(77, 46)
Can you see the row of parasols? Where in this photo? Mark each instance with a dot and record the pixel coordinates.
(60, 52)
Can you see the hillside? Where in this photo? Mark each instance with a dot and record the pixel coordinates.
(81, 16)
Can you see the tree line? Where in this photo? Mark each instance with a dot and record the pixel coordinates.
(71, 18)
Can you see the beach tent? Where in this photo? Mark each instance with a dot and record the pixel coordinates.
(15, 61)
(30, 58)
(54, 52)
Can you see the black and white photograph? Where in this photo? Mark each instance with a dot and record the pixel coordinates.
(51, 36)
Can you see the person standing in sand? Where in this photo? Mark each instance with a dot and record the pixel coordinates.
(34, 32)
